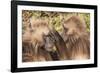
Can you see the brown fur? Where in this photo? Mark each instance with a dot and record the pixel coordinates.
(33, 42)
(76, 38)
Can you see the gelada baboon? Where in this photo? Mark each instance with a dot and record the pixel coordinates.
(34, 48)
(76, 38)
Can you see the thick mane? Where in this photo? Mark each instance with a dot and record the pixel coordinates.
(78, 44)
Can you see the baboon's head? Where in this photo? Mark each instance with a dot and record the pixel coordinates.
(39, 28)
(41, 33)
(74, 26)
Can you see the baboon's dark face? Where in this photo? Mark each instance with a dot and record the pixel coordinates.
(49, 42)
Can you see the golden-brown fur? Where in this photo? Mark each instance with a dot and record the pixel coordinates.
(76, 38)
(33, 42)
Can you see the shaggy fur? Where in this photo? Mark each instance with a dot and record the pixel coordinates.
(76, 38)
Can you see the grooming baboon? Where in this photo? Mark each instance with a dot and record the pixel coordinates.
(76, 38)
(39, 41)
(34, 43)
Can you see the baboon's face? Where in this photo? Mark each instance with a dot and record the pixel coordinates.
(70, 28)
(49, 44)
